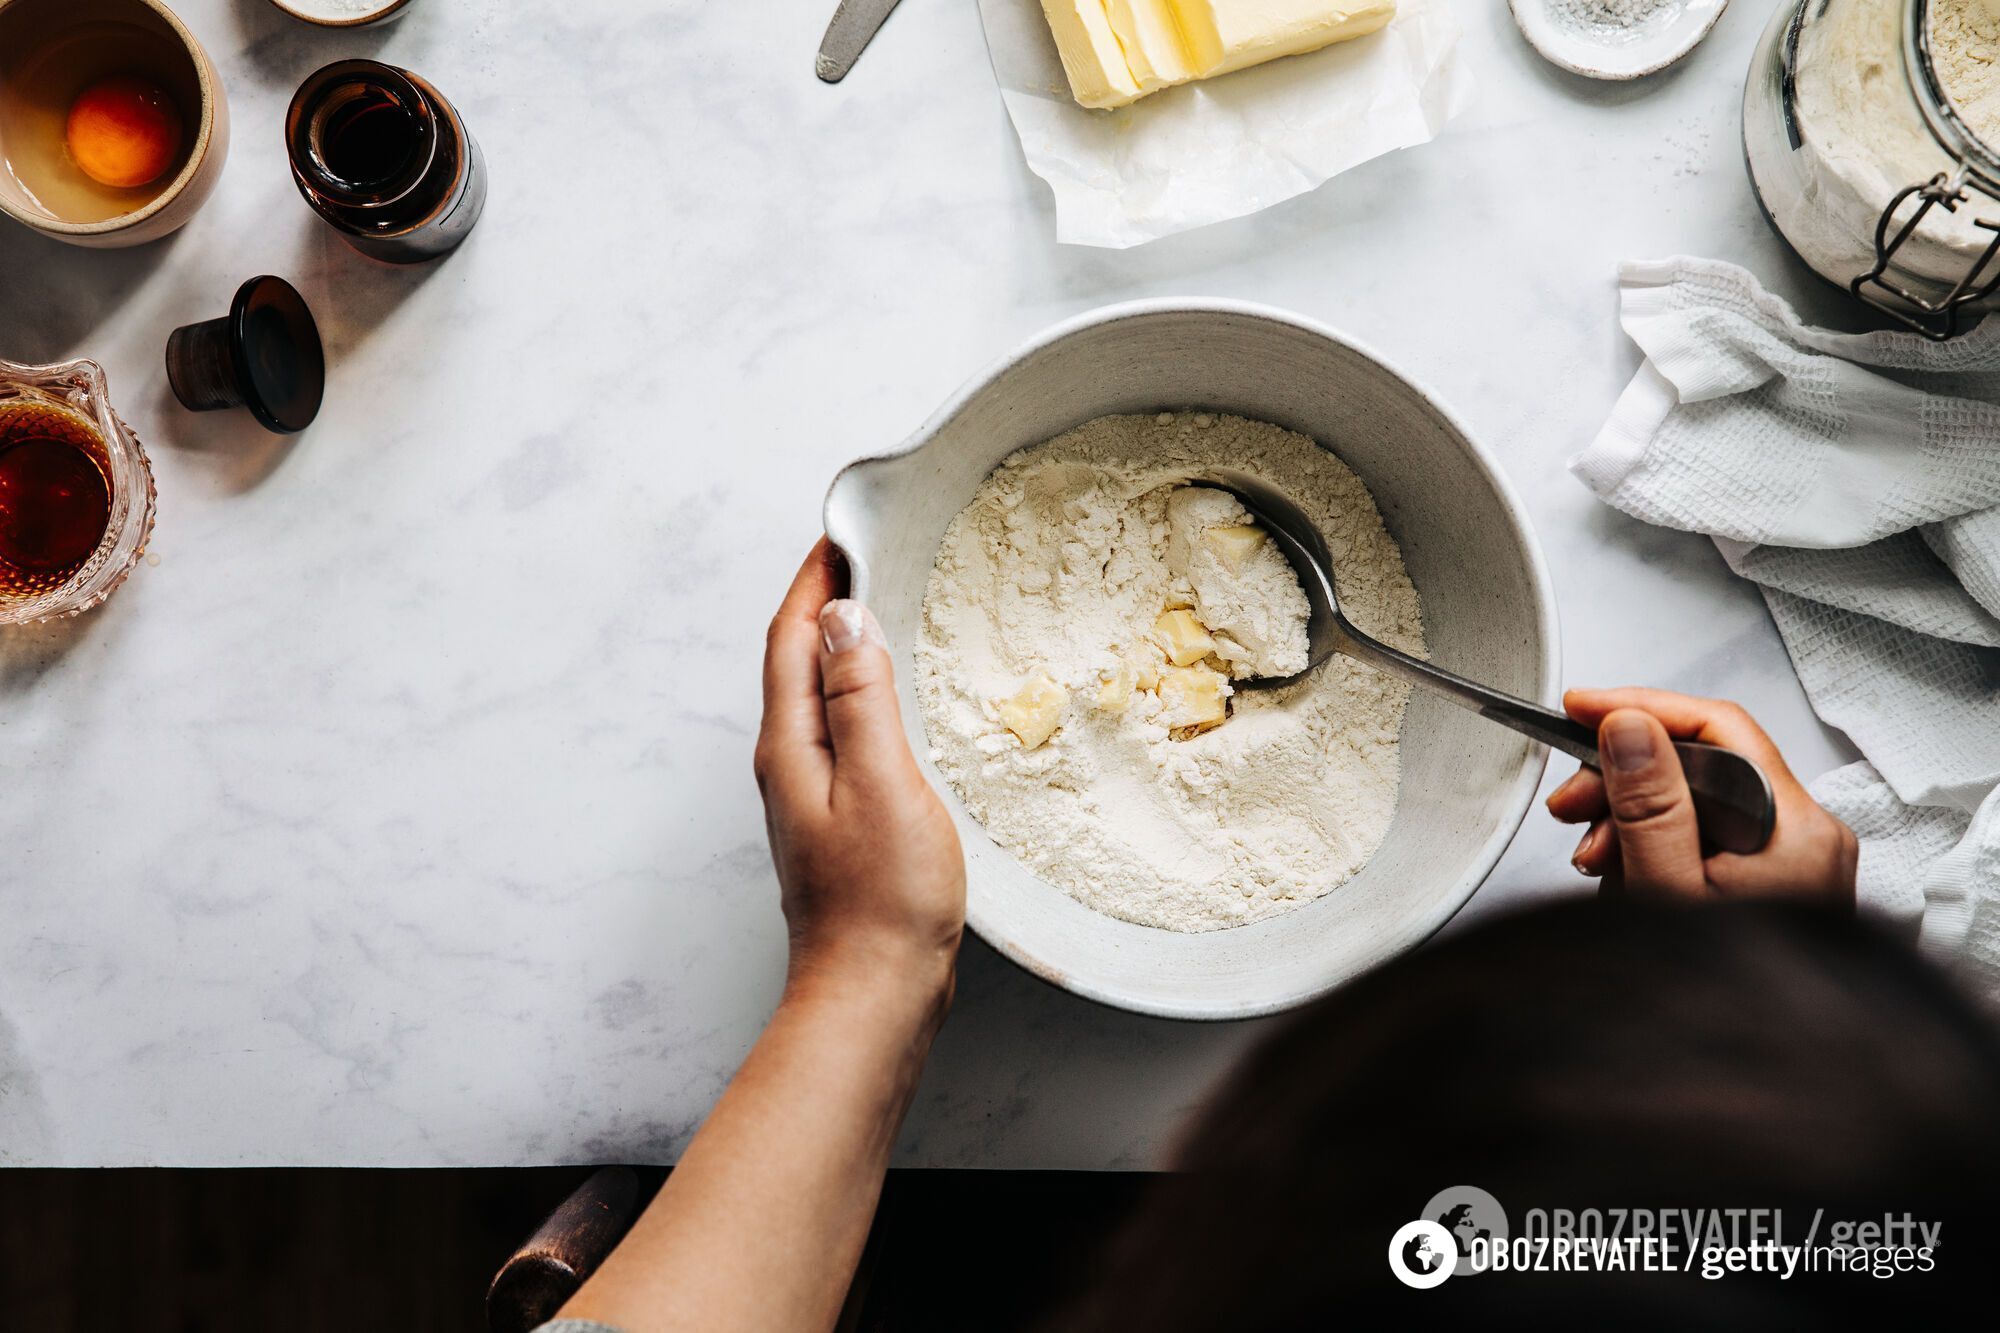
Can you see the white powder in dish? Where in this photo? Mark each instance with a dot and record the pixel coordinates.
(338, 10)
(1615, 16)
(1057, 572)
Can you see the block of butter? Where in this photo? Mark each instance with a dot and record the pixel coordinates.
(1117, 51)
(1091, 56)
(1150, 38)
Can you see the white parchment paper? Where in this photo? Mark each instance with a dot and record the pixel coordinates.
(1208, 151)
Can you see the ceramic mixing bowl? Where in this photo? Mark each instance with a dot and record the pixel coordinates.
(1488, 613)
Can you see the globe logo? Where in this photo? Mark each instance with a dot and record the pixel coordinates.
(1469, 1214)
(1422, 1254)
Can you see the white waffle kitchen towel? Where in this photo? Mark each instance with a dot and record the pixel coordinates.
(1856, 480)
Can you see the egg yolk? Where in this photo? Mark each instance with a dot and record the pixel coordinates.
(124, 132)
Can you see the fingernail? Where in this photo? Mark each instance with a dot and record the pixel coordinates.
(844, 625)
(1627, 742)
(1582, 850)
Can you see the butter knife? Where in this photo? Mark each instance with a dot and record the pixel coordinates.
(854, 26)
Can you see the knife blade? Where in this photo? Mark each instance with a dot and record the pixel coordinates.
(854, 26)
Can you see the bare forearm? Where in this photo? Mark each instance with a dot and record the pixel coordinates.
(763, 1220)
(761, 1224)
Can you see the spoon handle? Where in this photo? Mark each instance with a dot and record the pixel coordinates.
(1733, 801)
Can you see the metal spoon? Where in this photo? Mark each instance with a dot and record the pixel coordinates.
(1732, 798)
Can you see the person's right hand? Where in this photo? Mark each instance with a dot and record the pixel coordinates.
(872, 875)
(1642, 837)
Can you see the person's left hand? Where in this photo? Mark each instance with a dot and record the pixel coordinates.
(870, 865)
(765, 1216)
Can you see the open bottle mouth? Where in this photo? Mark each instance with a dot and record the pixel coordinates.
(361, 134)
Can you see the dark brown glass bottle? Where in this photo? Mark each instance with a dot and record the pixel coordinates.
(382, 156)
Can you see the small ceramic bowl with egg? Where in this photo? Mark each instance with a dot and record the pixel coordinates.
(113, 122)
(1489, 613)
(345, 13)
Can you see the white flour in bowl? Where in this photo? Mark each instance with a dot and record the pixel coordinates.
(1055, 708)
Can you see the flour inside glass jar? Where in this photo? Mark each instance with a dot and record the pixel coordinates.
(1863, 140)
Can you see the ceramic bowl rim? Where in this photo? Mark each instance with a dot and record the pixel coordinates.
(358, 21)
(1531, 26)
(1526, 781)
(204, 140)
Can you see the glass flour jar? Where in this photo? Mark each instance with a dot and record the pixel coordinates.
(1862, 123)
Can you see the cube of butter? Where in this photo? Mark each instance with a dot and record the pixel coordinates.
(1193, 699)
(1234, 545)
(1145, 664)
(1091, 56)
(1114, 692)
(1182, 638)
(1033, 711)
(1227, 35)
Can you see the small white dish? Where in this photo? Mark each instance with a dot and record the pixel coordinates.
(1562, 31)
(344, 13)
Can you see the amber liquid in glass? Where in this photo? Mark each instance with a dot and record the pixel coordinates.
(368, 139)
(55, 500)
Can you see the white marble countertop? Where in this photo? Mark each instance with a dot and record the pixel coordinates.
(402, 812)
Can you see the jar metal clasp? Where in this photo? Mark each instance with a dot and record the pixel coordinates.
(1935, 318)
